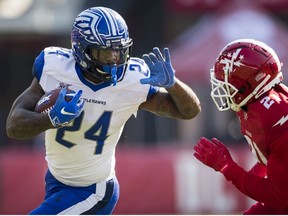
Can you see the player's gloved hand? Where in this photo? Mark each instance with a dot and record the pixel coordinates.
(63, 112)
(162, 72)
(213, 154)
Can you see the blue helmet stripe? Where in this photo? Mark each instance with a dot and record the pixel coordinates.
(111, 22)
(110, 19)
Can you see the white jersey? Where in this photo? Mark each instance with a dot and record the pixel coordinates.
(83, 153)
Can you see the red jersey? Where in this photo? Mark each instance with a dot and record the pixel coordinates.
(265, 127)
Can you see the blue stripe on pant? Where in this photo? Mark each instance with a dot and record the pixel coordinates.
(98, 198)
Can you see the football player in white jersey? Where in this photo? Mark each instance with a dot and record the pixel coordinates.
(81, 135)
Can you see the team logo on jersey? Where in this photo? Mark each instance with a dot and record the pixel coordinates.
(245, 116)
(281, 121)
(233, 59)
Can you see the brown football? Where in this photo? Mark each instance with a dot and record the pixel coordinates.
(48, 100)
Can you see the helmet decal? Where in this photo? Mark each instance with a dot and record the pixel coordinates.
(88, 25)
(232, 60)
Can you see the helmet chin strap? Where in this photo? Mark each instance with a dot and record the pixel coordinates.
(114, 75)
(112, 71)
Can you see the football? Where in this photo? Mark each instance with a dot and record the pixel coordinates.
(48, 100)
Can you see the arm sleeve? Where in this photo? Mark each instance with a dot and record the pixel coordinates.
(261, 209)
(258, 170)
(271, 190)
(38, 66)
(152, 91)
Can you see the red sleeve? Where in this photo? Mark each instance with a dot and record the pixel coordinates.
(258, 170)
(260, 209)
(273, 190)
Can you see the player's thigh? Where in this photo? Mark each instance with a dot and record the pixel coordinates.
(96, 199)
(60, 201)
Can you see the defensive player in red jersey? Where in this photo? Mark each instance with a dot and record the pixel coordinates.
(247, 78)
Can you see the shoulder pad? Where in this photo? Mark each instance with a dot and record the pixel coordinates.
(58, 51)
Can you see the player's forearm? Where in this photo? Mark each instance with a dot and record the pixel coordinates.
(25, 124)
(258, 170)
(185, 100)
(258, 188)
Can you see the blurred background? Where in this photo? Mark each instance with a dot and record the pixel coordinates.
(155, 165)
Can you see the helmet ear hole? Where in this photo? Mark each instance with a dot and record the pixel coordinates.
(242, 90)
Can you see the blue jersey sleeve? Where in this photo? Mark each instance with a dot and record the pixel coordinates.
(38, 66)
(152, 91)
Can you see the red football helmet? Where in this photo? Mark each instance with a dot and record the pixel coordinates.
(243, 71)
